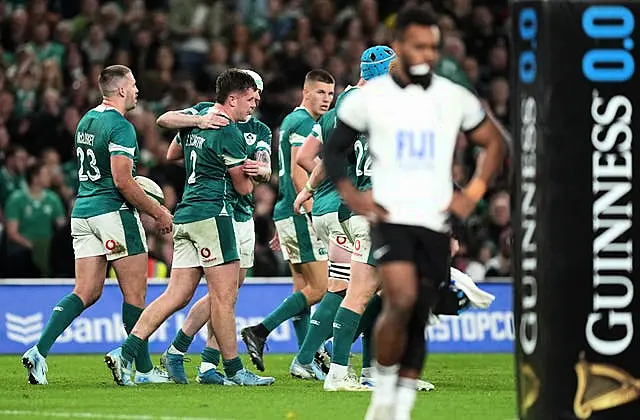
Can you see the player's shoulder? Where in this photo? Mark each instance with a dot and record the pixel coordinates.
(202, 106)
(299, 117)
(445, 84)
(17, 196)
(50, 195)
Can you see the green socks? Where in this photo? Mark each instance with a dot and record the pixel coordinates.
(367, 322)
(212, 356)
(344, 328)
(130, 315)
(65, 311)
(292, 306)
(182, 341)
(231, 367)
(132, 347)
(301, 325)
(320, 327)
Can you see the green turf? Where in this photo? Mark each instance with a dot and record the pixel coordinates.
(475, 387)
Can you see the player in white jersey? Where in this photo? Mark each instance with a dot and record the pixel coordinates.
(413, 119)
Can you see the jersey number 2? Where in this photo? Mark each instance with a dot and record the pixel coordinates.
(93, 173)
(194, 158)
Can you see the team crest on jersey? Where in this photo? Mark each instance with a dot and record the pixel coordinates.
(114, 247)
(250, 138)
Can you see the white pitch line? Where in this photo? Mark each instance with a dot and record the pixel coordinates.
(85, 415)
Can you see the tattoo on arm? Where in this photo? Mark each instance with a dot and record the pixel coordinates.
(264, 159)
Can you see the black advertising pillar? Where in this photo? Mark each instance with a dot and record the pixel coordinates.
(576, 99)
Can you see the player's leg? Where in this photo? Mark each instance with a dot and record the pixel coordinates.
(367, 322)
(173, 358)
(91, 269)
(123, 231)
(312, 355)
(432, 264)
(394, 246)
(221, 273)
(310, 360)
(185, 275)
(308, 260)
(210, 356)
(362, 287)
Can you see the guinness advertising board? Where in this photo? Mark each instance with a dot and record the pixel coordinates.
(576, 106)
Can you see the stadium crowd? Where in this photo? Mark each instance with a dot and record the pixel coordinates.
(51, 52)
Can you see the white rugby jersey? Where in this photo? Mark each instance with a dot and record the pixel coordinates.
(412, 134)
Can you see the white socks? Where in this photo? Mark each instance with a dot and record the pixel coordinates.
(405, 398)
(205, 366)
(173, 350)
(338, 371)
(386, 377)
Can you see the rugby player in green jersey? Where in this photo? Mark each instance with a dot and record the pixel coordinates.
(258, 138)
(105, 224)
(306, 254)
(204, 238)
(326, 220)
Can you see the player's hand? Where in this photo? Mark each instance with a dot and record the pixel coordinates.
(302, 197)
(461, 205)
(252, 168)
(274, 243)
(362, 203)
(164, 219)
(212, 120)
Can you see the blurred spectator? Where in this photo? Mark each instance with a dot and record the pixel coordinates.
(31, 219)
(12, 174)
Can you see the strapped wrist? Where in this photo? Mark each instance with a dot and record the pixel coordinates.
(309, 188)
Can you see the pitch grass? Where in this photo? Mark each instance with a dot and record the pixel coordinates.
(473, 387)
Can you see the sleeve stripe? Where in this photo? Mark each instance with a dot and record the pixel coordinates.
(296, 139)
(191, 111)
(118, 148)
(478, 124)
(264, 145)
(231, 161)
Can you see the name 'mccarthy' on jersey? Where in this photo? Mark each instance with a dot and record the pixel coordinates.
(102, 132)
(412, 134)
(257, 135)
(209, 189)
(293, 132)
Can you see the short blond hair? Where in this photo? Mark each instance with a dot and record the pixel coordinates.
(110, 78)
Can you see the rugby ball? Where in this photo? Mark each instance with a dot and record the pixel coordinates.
(152, 189)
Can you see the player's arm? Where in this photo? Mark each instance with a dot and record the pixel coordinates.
(307, 156)
(481, 130)
(189, 117)
(317, 176)
(122, 149)
(234, 155)
(175, 151)
(260, 168)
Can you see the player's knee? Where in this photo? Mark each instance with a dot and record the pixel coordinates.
(402, 300)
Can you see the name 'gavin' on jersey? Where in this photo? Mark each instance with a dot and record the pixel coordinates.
(412, 134)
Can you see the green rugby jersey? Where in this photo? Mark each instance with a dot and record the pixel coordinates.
(36, 217)
(208, 189)
(293, 132)
(258, 137)
(102, 132)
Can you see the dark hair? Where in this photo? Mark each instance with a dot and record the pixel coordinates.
(233, 80)
(319, 75)
(110, 76)
(33, 171)
(13, 150)
(413, 15)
